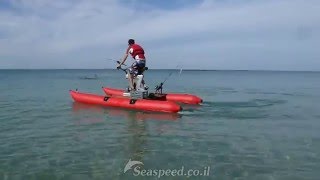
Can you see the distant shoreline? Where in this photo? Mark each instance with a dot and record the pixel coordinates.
(168, 69)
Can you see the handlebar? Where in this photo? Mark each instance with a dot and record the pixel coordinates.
(125, 70)
(122, 64)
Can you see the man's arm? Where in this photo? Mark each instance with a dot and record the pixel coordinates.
(125, 56)
(124, 59)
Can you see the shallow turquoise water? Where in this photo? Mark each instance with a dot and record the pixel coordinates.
(252, 125)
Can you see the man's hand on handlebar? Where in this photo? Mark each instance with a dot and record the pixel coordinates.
(119, 65)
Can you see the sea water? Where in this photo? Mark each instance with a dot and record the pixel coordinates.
(251, 125)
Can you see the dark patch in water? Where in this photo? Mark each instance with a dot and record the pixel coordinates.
(229, 114)
(229, 90)
(235, 110)
(255, 103)
(226, 112)
(274, 93)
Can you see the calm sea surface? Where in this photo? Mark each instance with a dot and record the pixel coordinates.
(252, 125)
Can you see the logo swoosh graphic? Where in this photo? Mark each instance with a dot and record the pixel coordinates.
(130, 164)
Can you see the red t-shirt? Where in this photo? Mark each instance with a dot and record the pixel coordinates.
(136, 52)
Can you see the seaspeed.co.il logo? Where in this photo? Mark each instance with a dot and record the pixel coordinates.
(138, 170)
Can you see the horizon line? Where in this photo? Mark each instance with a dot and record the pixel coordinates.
(162, 69)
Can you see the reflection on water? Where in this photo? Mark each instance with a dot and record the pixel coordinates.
(132, 135)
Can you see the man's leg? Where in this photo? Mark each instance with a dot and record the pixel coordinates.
(132, 72)
(130, 78)
(140, 69)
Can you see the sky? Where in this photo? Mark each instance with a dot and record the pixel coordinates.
(192, 34)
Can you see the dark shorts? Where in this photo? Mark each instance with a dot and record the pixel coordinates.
(137, 67)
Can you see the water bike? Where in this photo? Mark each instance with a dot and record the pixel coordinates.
(138, 99)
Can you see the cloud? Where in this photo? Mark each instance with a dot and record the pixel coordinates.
(207, 34)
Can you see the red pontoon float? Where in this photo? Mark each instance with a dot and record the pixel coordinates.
(176, 97)
(120, 102)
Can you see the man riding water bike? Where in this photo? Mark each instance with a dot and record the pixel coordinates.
(138, 66)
